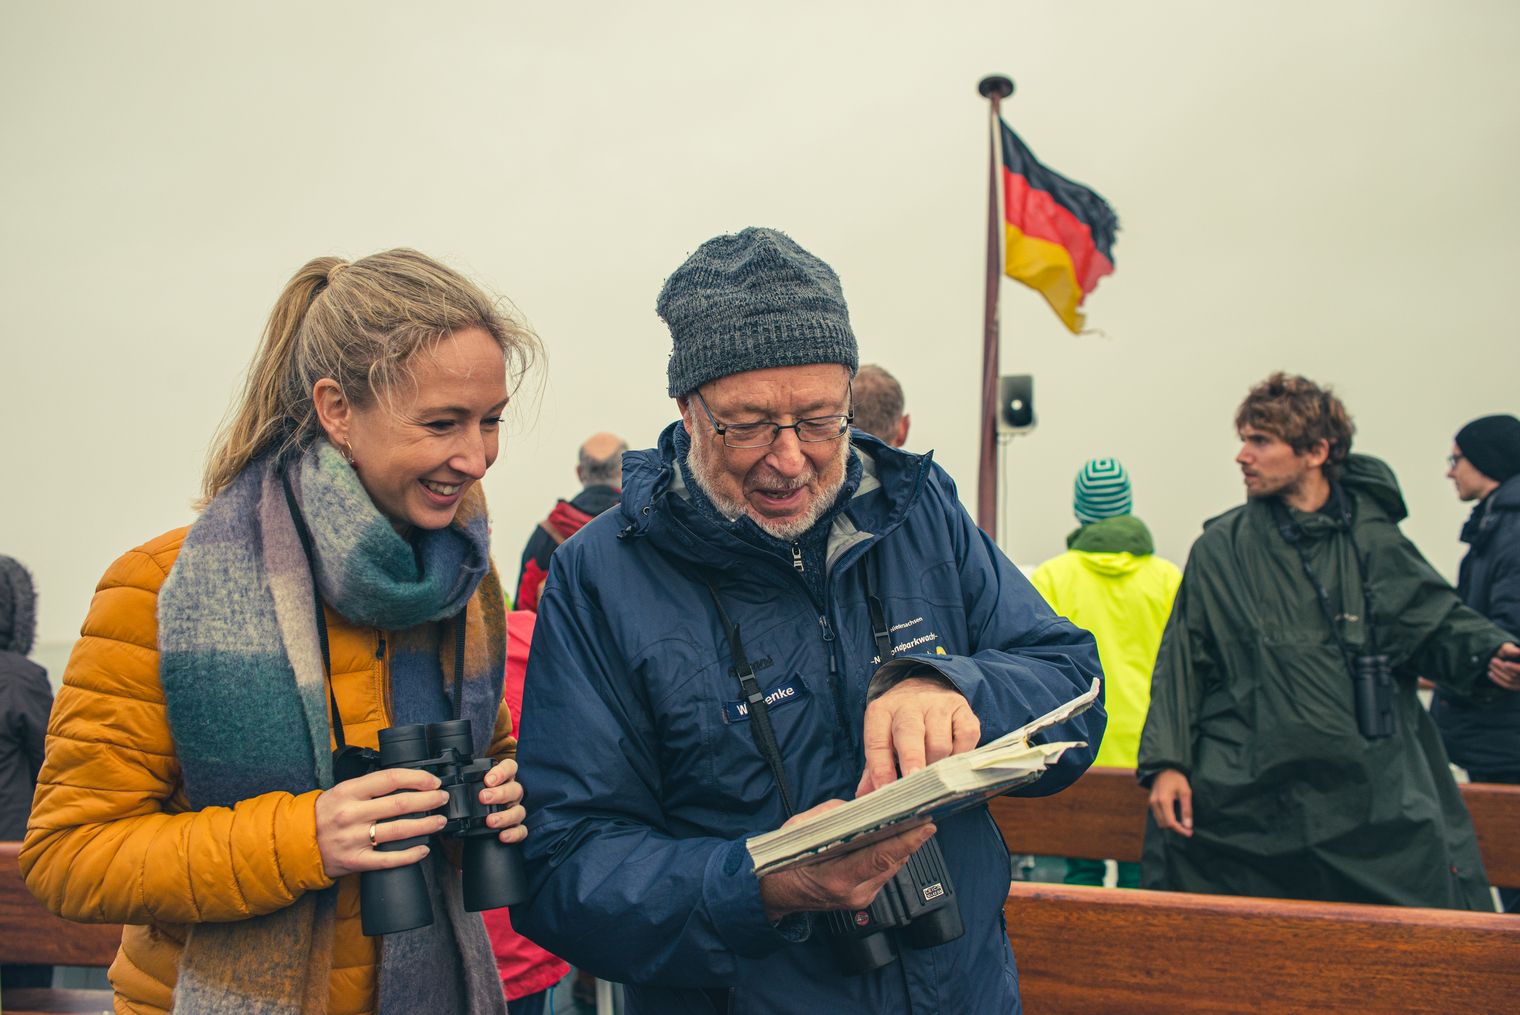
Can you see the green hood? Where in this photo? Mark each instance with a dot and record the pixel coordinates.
(1372, 478)
(1124, 534)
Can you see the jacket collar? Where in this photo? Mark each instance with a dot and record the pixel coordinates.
(1486, 513)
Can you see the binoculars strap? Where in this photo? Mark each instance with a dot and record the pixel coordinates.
(759, 713)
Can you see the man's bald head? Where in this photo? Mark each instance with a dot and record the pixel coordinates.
(601, 460)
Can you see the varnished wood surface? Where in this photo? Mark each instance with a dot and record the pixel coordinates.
(1102, 817)
(30, 934)
(52, 1002)
(1085, 951)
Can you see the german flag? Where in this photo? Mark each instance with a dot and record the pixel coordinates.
(1060, 235)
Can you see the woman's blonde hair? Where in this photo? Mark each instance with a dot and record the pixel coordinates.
(359, 323)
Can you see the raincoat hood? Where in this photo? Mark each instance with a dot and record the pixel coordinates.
(1124, 534)
(1372, 478)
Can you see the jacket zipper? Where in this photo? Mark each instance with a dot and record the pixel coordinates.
(384, 664)
(797, 559)
(836, 684)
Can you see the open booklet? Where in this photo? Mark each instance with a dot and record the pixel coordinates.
(948, 785)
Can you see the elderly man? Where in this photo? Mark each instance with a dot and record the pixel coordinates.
(758, 542)
(599, 467)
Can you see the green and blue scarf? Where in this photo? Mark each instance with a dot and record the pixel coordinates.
(246, 689)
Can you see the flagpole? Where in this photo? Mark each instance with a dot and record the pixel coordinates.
(994, 88)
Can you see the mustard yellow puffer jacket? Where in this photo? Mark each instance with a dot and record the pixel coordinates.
(112, 837)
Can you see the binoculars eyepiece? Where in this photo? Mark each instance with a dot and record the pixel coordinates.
(398, 899)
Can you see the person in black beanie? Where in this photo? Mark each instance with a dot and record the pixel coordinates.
(26, 698)
(1485, 467)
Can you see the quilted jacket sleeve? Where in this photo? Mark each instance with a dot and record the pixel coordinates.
(111, 838)
(503, 743)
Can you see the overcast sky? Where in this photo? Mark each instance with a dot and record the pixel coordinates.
(1326, 187)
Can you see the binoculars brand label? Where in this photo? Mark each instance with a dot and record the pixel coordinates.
(738, 711)
(933, 891)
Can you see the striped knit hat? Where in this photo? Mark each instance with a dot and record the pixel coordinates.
(1102, 491)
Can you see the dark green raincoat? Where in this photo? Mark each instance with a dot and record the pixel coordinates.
(1252, 700)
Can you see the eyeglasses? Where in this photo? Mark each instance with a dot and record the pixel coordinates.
(814, 430)
(1452, 460)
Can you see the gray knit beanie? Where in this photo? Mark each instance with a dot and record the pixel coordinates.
(749, 301)
(1102, 491)
(18, 607)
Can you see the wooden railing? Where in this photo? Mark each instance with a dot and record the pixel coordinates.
(29, 934)
(1085, 951)
(1092, 950)
(1102, 817)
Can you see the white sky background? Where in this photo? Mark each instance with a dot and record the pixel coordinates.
(1327, 187)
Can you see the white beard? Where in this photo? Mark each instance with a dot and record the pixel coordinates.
(705, 471)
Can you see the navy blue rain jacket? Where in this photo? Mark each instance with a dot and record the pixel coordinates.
(643, 780)
(1483, 735)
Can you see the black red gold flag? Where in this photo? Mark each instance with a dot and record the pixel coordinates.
(1060, 234)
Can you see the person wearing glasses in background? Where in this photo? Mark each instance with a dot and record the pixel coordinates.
(1484, 736)
(761, 536)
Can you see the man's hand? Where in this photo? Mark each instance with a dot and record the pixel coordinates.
(1504, 667)
(850, 881)
(916, 723)
(1171, 793)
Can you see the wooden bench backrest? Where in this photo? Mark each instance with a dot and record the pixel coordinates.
(1102, 817)
(31, 934)
(1084, 950)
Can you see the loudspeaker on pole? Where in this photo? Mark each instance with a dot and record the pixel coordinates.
(1015, 403)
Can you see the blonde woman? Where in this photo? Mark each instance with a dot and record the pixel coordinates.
(337, 582)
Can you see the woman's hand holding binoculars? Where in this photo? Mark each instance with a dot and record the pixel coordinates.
(356, 815)
(503, 788)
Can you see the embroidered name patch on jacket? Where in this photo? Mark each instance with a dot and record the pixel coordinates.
(782, 694)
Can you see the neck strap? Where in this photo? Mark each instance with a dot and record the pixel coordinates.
(754, 698)
(1293, 535)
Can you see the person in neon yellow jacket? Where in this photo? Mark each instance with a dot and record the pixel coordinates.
(1111, 582)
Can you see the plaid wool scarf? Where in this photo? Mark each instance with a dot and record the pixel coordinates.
(246, 690)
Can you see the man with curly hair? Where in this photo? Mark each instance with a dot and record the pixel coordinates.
(1286, 752)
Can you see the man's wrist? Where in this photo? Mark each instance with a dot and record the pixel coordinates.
(896, 671)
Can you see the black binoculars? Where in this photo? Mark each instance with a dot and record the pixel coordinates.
(398, 899)
(919, 898)
(1374, 696)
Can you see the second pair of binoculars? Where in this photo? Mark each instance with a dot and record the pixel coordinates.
(918, 905)
(398, 899)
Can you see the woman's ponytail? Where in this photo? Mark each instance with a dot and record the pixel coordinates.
(262, 417)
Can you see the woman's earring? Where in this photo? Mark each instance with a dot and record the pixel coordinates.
(349, 453)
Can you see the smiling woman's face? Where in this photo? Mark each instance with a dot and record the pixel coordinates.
(418, 451)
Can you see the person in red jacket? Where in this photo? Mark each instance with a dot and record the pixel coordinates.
(527, 972)
(600, 469)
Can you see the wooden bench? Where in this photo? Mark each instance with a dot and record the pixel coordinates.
(30, 934)
(1084, 950)
(1102, 817)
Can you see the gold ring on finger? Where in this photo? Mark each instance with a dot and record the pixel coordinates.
(372, 843)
